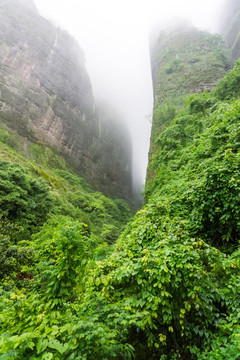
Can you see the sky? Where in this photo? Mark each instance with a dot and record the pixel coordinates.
(114, 37)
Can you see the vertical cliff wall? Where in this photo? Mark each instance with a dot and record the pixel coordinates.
(184, 61)
(46, 95)
(230, 28)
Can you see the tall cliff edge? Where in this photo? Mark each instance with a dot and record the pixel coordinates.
(184, 60)
(230, 28)
(46, 96)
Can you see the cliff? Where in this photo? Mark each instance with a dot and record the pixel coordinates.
(230, 28)
(184, 60)
(46, 96)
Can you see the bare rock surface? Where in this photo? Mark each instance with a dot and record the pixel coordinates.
(46, 95)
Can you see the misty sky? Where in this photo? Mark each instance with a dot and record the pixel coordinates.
(114, 37)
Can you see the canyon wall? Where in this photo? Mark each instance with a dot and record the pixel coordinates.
(46, 96)
(184, 60)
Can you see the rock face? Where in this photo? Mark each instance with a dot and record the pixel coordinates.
(230, 28)
(46, 95)
(184, 61)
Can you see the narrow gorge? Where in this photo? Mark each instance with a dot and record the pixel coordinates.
(83, 274)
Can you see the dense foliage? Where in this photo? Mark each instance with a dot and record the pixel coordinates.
(196, 164)
(42, 184)
(25, 201)
(51, 224)
(170, 287)
(180, 58)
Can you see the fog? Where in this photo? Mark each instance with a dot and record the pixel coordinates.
(114, 37)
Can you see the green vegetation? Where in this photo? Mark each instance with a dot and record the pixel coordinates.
(185, 61)
(169, 288)
(51, 225)
(181, 58)
(40, 185)
(196, 163)
(23, 200)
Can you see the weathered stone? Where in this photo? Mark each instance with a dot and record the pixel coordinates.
(46, 95)
(184, 60)
(230, 28)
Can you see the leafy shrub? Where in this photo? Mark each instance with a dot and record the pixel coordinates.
(200, 102)
(216, 204)
(13, 258)
(62, 247)
(229, 86)
(23, 198)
